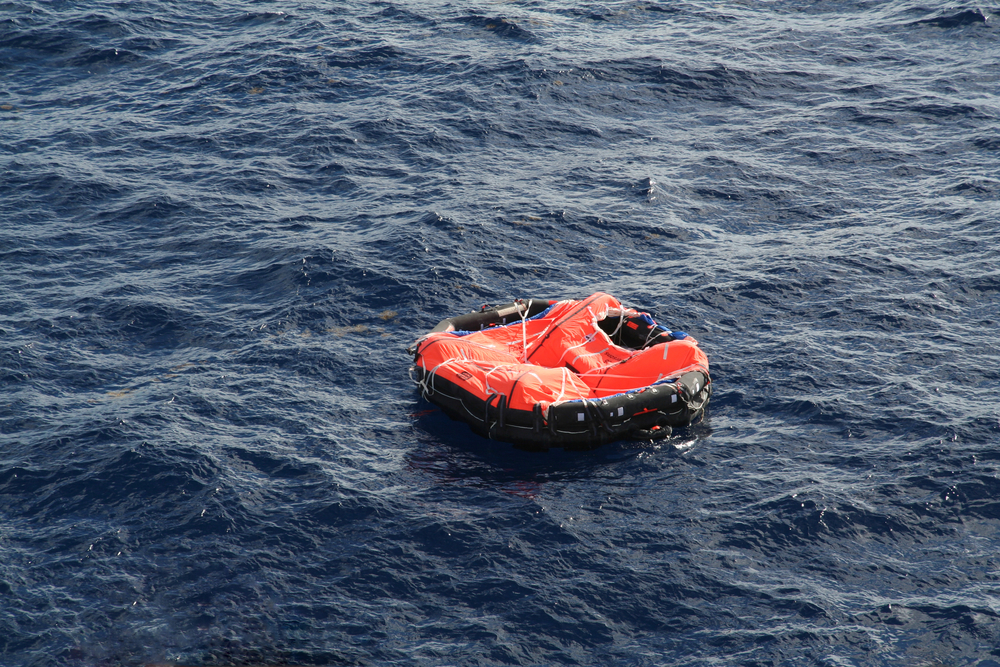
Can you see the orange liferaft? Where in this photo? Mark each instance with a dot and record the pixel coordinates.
(572, 374)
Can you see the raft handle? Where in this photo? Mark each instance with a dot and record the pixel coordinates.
(501, 408)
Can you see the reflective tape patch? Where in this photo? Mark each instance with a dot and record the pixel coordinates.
(579, 416)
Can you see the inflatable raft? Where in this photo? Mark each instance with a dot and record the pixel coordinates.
(571, 374)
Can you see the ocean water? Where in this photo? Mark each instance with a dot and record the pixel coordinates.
(222, 223)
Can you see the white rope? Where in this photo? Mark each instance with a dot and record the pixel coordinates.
(524, 330)
(562, 387)
(621, 321)
(650, 336)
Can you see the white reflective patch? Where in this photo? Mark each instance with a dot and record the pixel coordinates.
(673, 399)
(621, 411)
(579, 416)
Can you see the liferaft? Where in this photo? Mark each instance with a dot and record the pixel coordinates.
(574, 374)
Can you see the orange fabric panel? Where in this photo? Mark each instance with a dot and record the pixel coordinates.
(439, 347)
(567, 339)
(535, 384)
(483, 371)
(647, 366)
(523, 384)
(574, 339)
(510, 338)
(453, 358)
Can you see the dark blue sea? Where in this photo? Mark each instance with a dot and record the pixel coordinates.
(223, 223)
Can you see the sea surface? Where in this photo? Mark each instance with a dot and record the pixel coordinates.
(223, 222)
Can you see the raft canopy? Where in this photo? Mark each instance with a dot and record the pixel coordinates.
(572, 373)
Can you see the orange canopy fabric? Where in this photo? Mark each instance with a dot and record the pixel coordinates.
(560, 355)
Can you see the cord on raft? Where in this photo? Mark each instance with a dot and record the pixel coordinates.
(524, 328)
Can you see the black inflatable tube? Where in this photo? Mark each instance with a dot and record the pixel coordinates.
(649, 413)
(491, 316)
